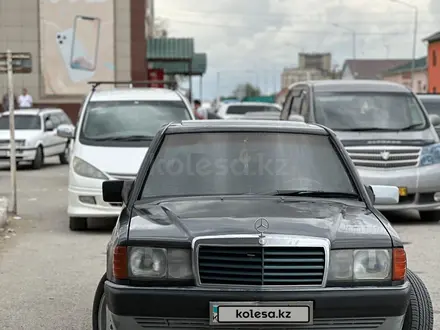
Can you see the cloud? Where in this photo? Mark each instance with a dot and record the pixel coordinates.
(249, 40)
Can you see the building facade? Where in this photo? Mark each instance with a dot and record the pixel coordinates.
(72, 42)
(402, 75)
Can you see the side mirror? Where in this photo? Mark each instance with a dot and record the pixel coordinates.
(434, 119)
(116, 191)
(49, 126)
(66, 131)
(385, 195)
(296, 118)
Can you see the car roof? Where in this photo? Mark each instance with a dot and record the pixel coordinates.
(33, 111)
(221, 125)
(138, 94)
(379, 86)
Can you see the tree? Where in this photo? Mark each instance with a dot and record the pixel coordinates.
(246, 90)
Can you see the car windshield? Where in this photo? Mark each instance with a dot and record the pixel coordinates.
(359, 111)
(30, 122)
(119, 119)
(245, 163)
(242, 109)
(432, 106)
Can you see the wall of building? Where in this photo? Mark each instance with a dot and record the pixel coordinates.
(420, 83)
(19, 32)
(433, 62)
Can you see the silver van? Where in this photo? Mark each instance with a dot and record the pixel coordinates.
(386, 131)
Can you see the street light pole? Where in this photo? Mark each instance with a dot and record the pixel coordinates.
(414, 45)
(353, 33)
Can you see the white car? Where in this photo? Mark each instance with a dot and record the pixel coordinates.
(237, 110)
(35, 136)
(113, 133)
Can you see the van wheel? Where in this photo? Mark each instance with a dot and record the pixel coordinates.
(99, 310)
(77, 223)
(38, 161)
(430, 216)
(419, 315)
(64, 157)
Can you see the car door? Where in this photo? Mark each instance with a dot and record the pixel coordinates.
(50, 139)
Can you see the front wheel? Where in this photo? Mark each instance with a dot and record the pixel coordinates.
(430, 216)
(77, 223)
(64, 157)
(38, 161)
(99, 310)
(419, 315)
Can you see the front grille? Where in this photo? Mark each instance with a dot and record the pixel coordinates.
(360, 323)
(253, 265)
(384, 157)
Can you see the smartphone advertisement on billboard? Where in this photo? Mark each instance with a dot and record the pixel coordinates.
(76, 44)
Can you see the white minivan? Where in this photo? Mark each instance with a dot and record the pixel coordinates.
(114, 130)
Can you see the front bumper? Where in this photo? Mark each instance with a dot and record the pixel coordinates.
(87, 202)
(137, 308)
(421, 183)
(21, 154)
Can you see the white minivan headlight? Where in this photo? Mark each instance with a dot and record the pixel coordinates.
(360, 265)
(81, 167)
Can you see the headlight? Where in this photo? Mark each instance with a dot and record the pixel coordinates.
(360, 265)
(430, 155)
(83, 168)
(155, 263)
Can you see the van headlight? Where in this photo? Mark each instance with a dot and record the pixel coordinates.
(81, 167)
(430, 155)
(360, 265)
(158, 263)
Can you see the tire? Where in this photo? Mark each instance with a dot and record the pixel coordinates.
(77, 223)
(38, 161)
(420, 314)
(99, 295)
(430, 216)
(64, 157)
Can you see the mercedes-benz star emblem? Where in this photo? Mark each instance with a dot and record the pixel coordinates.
(385, 155)
(261, 225)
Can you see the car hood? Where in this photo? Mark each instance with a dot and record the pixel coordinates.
(112, 160)
(24, 134)
(346, 226)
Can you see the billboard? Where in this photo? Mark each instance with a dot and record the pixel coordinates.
(76, 44)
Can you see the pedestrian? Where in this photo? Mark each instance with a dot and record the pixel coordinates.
(5, 102)
(199, 112)
(25, 100)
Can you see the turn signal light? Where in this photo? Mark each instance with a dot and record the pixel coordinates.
(120, 263)
(399, 264)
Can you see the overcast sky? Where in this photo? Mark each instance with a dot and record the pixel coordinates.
(252, 40)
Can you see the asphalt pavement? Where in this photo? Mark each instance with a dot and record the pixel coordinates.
(48, 274)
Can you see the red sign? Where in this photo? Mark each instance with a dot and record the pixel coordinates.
(156, 75)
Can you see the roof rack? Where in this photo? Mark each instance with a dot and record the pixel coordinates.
(171, 84)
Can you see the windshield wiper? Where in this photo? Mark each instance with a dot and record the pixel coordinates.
(367, 129)
(126, 138)
(410, 127)
(315, 193)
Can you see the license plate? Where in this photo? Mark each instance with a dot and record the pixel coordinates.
(403, 191)
(296, 312)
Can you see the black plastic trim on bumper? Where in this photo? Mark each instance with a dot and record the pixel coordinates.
(193, 302)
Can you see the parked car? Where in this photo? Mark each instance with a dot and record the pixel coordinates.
(35, 136)
(237, 110)
(114, 131)
(254, 225)
(386, 131)
(431, 102)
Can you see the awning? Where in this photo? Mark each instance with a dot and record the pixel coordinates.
(196, 67)
(170, 49)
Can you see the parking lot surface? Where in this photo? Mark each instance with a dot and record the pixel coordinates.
(49, 274)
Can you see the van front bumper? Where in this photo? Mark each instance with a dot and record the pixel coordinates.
(421, 184)
(140, 308)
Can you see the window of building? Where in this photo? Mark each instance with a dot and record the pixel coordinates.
(434, 58)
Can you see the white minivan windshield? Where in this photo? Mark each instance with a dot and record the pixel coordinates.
(124, 119)
(357, 111)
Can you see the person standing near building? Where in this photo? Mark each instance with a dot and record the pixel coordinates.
(5, 102)
(25, 100)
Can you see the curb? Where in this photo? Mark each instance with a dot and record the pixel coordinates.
(3, 211)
